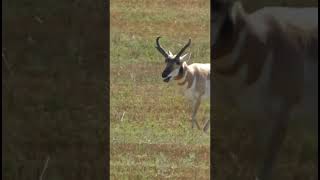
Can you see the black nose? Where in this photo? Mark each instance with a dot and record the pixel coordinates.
(165, 74)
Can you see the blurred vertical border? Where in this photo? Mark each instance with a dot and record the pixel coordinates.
(228, 138)
(55, 96)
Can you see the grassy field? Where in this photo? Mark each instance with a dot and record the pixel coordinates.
(151, 135)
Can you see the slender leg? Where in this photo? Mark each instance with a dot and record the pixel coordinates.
(206, 126)
(195, 107)
(280, 123)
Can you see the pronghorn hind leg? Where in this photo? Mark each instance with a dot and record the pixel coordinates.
(195, 107)
(206, 126)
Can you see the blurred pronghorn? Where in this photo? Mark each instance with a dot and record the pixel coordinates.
(266, 65)
(194, 78)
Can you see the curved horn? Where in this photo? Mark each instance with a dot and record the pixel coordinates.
(160, 49)
(183, 49)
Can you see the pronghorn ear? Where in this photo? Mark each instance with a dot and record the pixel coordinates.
(182, 57)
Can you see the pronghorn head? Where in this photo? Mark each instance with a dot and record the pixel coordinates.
(173, 62)
(226, 16)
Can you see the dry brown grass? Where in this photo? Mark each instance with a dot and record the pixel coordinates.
(154, 140)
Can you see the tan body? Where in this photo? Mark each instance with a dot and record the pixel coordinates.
(195, 84)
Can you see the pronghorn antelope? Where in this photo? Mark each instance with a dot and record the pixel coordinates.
(194, 78)
(266, 65)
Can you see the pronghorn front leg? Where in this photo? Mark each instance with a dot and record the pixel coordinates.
(279, 129)
(195, 107)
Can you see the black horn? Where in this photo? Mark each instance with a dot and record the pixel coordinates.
(183, 49)
(160, 49)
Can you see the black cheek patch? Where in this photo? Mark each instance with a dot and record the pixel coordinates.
(167, 71)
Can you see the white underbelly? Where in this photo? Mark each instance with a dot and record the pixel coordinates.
(253, 101)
